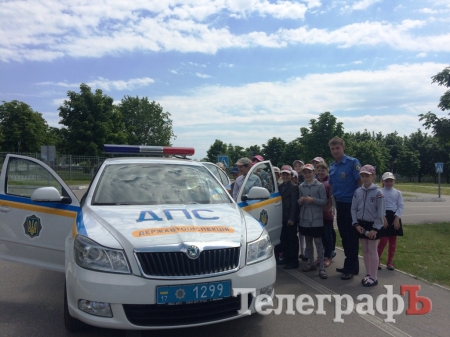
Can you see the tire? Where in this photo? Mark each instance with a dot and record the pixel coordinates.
(71, 324)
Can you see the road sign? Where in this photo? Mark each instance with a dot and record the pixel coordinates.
(439, 167)
(224, 160)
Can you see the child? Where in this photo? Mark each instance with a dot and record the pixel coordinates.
(328, 215)
(298, 167)
(288, 239)
(392, 222)
(294, 178)
(367, 216)
(312, 197)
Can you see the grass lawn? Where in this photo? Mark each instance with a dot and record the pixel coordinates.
(77, 182)
(423, 188)
(423, 251)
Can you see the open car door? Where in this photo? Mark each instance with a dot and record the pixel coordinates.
(267, 210)
(37, 213)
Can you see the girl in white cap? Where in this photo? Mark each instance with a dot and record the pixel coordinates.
(393, 221)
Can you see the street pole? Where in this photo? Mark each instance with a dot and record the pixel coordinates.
(439, 180)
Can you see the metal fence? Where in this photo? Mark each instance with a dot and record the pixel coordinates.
(67, 166)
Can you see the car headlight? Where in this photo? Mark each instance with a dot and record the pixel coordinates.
(260, 249)
(90, 255)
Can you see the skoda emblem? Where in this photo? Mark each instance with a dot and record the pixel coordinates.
(193, 252)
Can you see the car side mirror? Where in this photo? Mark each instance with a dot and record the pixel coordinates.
(256, 193)
(46, 194)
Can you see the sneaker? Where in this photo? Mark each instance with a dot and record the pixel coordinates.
(323, 274)
(390, 266)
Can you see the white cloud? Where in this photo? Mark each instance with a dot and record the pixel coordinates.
(364, 4)
(48, 30)
(253, 113)
(370, 34)
(202, 75)
(106, 84)
(226, 65)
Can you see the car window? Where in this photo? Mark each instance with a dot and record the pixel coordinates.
(24, 176)
(213, 169)
(154, 184)
(223, 177)
(264, 172)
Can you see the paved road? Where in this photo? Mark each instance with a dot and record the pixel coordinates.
(426, 208)
(31, 303)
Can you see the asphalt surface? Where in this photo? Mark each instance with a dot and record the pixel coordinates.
(31, 301)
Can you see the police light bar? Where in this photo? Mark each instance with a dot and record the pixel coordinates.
(150, 150)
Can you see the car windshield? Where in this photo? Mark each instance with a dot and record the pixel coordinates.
(155, 184)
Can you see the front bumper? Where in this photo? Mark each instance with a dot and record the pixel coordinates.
(133, 298)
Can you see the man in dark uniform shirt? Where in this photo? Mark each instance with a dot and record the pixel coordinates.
(344, 180)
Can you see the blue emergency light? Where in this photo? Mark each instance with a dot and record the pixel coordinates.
(149, 150)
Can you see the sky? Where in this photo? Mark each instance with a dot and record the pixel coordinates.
(241, 71)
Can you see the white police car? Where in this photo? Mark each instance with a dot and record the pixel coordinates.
(154, 243)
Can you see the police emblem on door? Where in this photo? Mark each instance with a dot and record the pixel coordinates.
(32, 226)
(263, 217)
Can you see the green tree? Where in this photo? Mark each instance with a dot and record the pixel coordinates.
(217, 148)
(293, 151)
(369, 152)
(54, 137)
(22, 129)
(393, 143)
(145, 122)
(428, 149)
(235, 152)
(274, 150)
(91, 121)
(408, 163)
(440, 126)
(315, 139)
(253, 151)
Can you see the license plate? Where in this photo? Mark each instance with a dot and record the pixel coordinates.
(193, 292)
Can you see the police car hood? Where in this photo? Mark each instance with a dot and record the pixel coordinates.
(210, 225)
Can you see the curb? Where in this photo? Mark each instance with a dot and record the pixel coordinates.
(418, 199)
(81, 187)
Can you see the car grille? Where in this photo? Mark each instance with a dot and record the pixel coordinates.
(178, 264)
(184, 314)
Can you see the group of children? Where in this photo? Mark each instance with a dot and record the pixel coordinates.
(376, 216)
